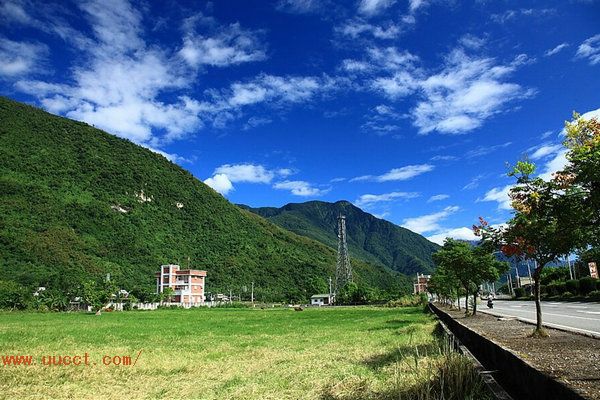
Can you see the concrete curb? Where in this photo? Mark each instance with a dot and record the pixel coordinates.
(493, 386)
(563, 328)
(522, 380)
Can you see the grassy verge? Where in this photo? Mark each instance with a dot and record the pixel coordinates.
(336, 353)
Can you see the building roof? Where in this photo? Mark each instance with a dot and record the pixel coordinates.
(318, 296)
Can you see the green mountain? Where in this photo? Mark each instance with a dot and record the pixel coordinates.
(370, 239)
(76, 203)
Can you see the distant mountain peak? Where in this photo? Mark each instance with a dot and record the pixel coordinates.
(369, 238)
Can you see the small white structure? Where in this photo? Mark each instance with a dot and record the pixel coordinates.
(322, 299)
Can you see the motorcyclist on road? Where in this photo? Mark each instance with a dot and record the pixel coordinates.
(490, 302)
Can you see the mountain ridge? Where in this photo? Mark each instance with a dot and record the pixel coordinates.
(77, 203)
(370, 238)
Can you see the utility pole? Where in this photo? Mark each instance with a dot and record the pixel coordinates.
(509, 283)
(230, 296)
(330, 297)
(530, 280)
(252, 294)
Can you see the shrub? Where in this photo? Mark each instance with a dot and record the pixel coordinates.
(411, 300)
(594, 295)
(567, 295)
(556, 288)
(572, 286)
(587, 285)
(519, 292)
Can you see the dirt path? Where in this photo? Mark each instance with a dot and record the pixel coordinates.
(571, 358)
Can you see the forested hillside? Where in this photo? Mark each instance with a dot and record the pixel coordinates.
(77, 203)
(369, 238)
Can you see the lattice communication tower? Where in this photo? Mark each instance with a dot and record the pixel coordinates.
(343, 270)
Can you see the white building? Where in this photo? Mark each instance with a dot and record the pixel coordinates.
(322, 299)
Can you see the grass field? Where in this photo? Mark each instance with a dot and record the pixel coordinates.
(328, 353)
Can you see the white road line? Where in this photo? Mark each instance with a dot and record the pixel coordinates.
(559, 315)
(553, 325)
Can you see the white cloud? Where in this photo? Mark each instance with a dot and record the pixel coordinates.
(357, 27)
(220, 183)
(20, 58)
(556, 50)
(463, 233)
(472, 42)
(464, 94)
(444, 158)
(121, 83)
(438, 197)
(273, 89)
(456, 99)
(226, 175)
(173, 157)
(372, 7)
(117, 88)
(300, 6)
(510, 15)
(546, 135)
(246, 173)
(545, 150)
(499, 195)
(367, 200)
(14, 11)
(355, 65)
(474, 182)
(430, 222)
(300, 188)
(590, 49)
(397, 174)
(413, 5)
(481, 151)
(231, 45)
(557, 163)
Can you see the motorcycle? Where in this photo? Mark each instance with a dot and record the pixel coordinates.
(490, 303)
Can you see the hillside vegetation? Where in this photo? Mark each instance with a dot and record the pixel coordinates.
(77, 203)
(370, 239)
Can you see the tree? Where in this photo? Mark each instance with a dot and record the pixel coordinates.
(13, 296)
(444, 285)
(166, 294)
(543, 226)
(98, 294)
(471, 266)
(583, 171)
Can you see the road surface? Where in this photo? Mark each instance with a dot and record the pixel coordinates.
(582, 316)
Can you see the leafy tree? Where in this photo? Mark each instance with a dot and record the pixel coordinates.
(98, 293)
(166, 294)
(444, 285)
(353, 293)
(583, 170)
(543, 226)
(13, 296)
(471, 266)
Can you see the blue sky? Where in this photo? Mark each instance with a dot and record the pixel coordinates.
(409, 109)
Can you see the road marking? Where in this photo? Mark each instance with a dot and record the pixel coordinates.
(553, 325)
(558, 315)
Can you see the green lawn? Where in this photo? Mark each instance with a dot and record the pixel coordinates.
(219, 353)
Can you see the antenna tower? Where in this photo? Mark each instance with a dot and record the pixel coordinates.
(343, 271)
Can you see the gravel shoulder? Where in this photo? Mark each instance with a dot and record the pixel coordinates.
(570, 358)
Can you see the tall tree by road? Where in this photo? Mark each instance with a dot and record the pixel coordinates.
(471, 266)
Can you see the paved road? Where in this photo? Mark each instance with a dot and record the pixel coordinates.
(583, 316)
